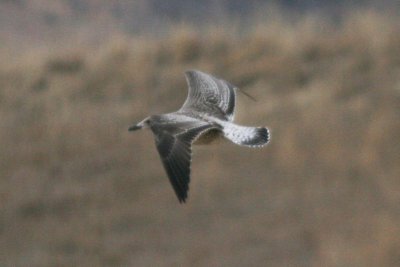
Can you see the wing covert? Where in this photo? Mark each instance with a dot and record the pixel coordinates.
(209, 95)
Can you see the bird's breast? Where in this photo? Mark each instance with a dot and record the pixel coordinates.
(209, 137)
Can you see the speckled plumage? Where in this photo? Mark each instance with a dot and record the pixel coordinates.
(207, 114)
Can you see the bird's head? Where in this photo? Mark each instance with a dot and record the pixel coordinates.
(143, 124)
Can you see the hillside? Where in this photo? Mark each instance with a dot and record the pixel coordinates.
(27, 23)
(78, 189)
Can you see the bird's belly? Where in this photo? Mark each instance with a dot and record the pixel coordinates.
(209, 137)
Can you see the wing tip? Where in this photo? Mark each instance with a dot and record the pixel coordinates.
(191, 71)
(182, 195)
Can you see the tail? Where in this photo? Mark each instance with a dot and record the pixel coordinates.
(246, 136)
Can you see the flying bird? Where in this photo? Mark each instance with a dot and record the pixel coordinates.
(207, 114)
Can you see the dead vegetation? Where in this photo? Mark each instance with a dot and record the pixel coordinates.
(78, 190)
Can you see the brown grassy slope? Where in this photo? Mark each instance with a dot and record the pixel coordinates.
(78, 190)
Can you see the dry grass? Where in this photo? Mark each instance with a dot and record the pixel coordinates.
(78, 190)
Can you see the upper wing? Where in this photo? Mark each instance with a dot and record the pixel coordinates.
(174, 144)
(209, 95)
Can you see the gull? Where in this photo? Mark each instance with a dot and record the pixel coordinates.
(206, 115)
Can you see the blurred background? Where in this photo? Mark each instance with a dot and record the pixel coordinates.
(77, 189)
